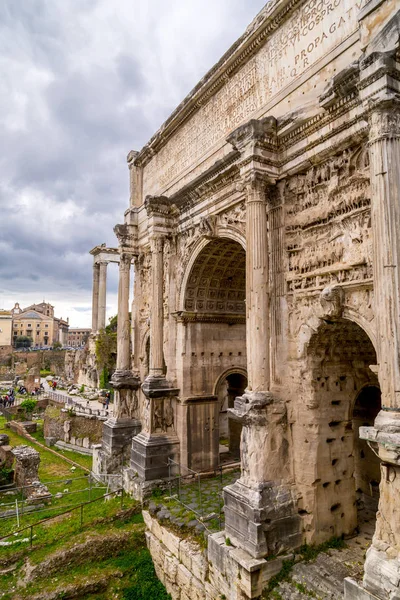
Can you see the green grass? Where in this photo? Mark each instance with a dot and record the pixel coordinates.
(129, 575)
(58, 475)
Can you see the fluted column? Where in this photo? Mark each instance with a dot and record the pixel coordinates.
(157, 316)
(95, 297)
(384, 119)
(123, 330)
(257, 284)
(378, 86)
(101, 322)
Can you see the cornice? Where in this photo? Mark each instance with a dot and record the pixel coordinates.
(197, 317)
(255, 36)
(220, 174)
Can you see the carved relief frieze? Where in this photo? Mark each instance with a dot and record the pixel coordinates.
(328, 229)
(234, 218)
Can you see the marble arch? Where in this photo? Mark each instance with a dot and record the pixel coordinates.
(290, 145)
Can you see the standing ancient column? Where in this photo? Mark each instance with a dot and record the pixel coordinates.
(253, 500)
(157, 441)
(101, 323)
(384, 119)
(95, 297)
(157, 314)
(379, 78)
(257, 284)
(124, 326)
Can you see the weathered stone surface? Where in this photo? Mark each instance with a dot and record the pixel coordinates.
(263, 228)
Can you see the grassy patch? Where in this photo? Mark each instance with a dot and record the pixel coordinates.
(129, 575)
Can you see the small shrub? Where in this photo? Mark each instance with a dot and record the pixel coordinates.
(228, 541)
(28, 405)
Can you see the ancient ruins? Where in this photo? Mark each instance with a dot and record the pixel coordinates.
(263, 230)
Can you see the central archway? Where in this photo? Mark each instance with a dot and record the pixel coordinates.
(214, 318)
(341, 474)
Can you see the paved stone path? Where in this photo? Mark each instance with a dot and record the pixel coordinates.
(83, 401)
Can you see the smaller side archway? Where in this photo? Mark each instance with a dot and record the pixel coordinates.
(336, 473)
(228, 387)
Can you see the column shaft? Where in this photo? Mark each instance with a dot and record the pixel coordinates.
(385, 188)
(101, 323)
(157, 316)
(257, 286)
(123, 331)
(95, 297)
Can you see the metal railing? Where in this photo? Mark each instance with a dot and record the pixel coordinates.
(77, 406)
(187, 478)
(78, 507)
(20, 505)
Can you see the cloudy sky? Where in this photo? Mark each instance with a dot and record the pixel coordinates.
(82, 82)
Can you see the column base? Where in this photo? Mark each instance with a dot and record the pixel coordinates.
(353, 590)
(233, 569)
(150, 454)
(263, 521)
(381, 579)
(118, 434)
(110, 456)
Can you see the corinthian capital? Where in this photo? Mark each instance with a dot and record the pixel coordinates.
(157, 244)
(384, 116)
(126, 235)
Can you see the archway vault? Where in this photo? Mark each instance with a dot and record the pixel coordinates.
(217, 279)
(207, 249)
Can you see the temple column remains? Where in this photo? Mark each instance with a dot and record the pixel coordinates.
(95, 296)
(260, 510)
(379, 89)
(101, 311)
(157, 442)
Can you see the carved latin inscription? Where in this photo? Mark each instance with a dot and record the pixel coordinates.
(309, 34)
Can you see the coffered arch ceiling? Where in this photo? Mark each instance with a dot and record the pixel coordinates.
(217, 281)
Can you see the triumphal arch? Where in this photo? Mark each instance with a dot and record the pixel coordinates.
(264, 234)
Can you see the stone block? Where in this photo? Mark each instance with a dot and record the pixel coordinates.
(170, 566)
(170, 541)
(199, 565)
(183, 577)
(353, 590)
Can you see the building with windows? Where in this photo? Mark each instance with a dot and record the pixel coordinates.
(38, 322)
(77, 337)
(5, 327)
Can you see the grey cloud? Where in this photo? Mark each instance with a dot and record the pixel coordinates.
(82, 84)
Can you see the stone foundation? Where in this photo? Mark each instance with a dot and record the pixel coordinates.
(192, 573)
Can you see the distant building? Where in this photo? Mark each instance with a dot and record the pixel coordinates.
(5, 327)
(38, 322)
(77, 337)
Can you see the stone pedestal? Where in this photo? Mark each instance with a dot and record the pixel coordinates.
(382, 565)
(158, 442)
(260, 508)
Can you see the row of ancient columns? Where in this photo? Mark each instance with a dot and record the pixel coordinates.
(99, 297)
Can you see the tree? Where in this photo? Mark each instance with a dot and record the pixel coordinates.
(57, 345)
(106, 351)
(23, 341)
(29, 405)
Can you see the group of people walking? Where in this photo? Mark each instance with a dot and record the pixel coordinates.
(8, 399)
